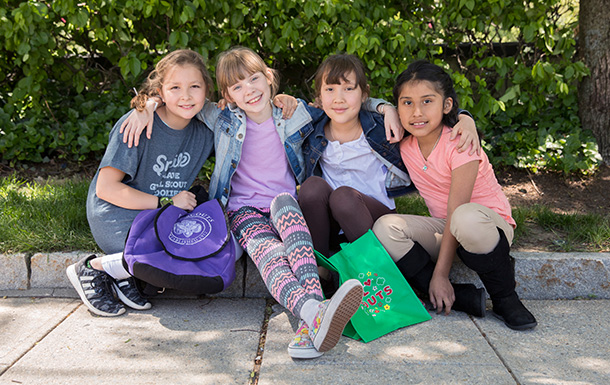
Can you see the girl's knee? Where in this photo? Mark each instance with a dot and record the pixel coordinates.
(344, 199)
(473, 229)
(467, 216)
(313, 190)
(388, 226)
(282, 200)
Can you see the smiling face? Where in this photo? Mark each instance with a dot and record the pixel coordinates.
(183, 92)
(421, 108)
(342, 102)
(252, 94)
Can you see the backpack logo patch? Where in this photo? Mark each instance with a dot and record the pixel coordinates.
(191, 229)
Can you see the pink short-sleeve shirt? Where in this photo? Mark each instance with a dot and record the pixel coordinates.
(432, 177)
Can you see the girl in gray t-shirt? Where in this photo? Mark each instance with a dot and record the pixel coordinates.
(129, 180)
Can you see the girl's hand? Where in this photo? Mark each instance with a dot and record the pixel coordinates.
(394, 131)
(136, 122)
(468, 129)
(185, 200)
(287, 103)
(316, 103)
(441, 293)
(222, 103)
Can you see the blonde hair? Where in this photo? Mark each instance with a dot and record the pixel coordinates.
(234, 63)
(155, 79)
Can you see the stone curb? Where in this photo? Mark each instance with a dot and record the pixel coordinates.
(538, 275)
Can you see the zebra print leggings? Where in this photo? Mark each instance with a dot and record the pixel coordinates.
(278, 242)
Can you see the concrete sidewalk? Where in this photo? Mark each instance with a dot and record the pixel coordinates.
(48, 337)
(223, 341)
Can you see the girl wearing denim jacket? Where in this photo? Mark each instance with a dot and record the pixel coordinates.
(258, 163)
(354, 166)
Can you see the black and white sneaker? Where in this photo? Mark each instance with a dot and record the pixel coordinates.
(95, 289)
(128, 293)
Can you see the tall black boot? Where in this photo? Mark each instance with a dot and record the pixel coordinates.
(417, 267)
(498, 275)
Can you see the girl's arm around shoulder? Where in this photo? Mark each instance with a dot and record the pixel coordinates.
(467, 128)
(288, 104)
(209, 114)
(393, 129)
(137, 121)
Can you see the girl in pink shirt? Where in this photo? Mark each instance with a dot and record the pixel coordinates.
(470, 213)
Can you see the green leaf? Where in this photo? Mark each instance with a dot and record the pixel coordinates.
(134, 66)
(173, 38)
(529, 32)
(309, 9)
(511, 93)
(236, 19)
(81, 17)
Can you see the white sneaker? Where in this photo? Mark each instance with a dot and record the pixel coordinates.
(301, 345)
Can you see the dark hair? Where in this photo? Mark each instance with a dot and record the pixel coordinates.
(441, 81)
(336, 67)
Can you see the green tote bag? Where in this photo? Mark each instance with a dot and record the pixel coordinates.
(389, 303)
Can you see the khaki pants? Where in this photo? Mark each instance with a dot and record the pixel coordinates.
(473, 225)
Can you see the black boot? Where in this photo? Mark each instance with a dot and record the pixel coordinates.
(498, 275)
(417, 267)
(469, 299)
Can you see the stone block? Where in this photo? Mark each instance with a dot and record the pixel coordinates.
(562, 275)
(49, 269)
(13, 272)
(552, 275)
(254, 287)
(462, 274)
(236, 289)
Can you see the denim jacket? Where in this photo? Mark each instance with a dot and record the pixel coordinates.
(229, 133)
(397, 179)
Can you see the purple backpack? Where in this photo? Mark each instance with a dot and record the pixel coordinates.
(187, 251)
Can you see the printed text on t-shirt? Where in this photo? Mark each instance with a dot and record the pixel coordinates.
(163, 164)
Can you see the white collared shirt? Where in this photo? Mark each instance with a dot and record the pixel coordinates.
(355, 165)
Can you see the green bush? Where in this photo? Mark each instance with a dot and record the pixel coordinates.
(67, 68)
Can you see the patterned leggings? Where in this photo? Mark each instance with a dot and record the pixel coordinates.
(278, 241)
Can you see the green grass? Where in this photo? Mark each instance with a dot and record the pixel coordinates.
(567, 232)
(44, 217)
(51, 216)
(540, 225)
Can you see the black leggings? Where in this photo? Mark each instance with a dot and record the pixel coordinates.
(327, 211)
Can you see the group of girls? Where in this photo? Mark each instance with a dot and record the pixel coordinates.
(348, 158)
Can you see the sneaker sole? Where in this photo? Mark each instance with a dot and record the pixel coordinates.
(129, 302)
(342, 307)
(304, 353)
(71, 272)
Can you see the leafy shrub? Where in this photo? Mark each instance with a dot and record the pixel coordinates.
(66, 68)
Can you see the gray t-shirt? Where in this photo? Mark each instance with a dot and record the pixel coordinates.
(162, 166)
